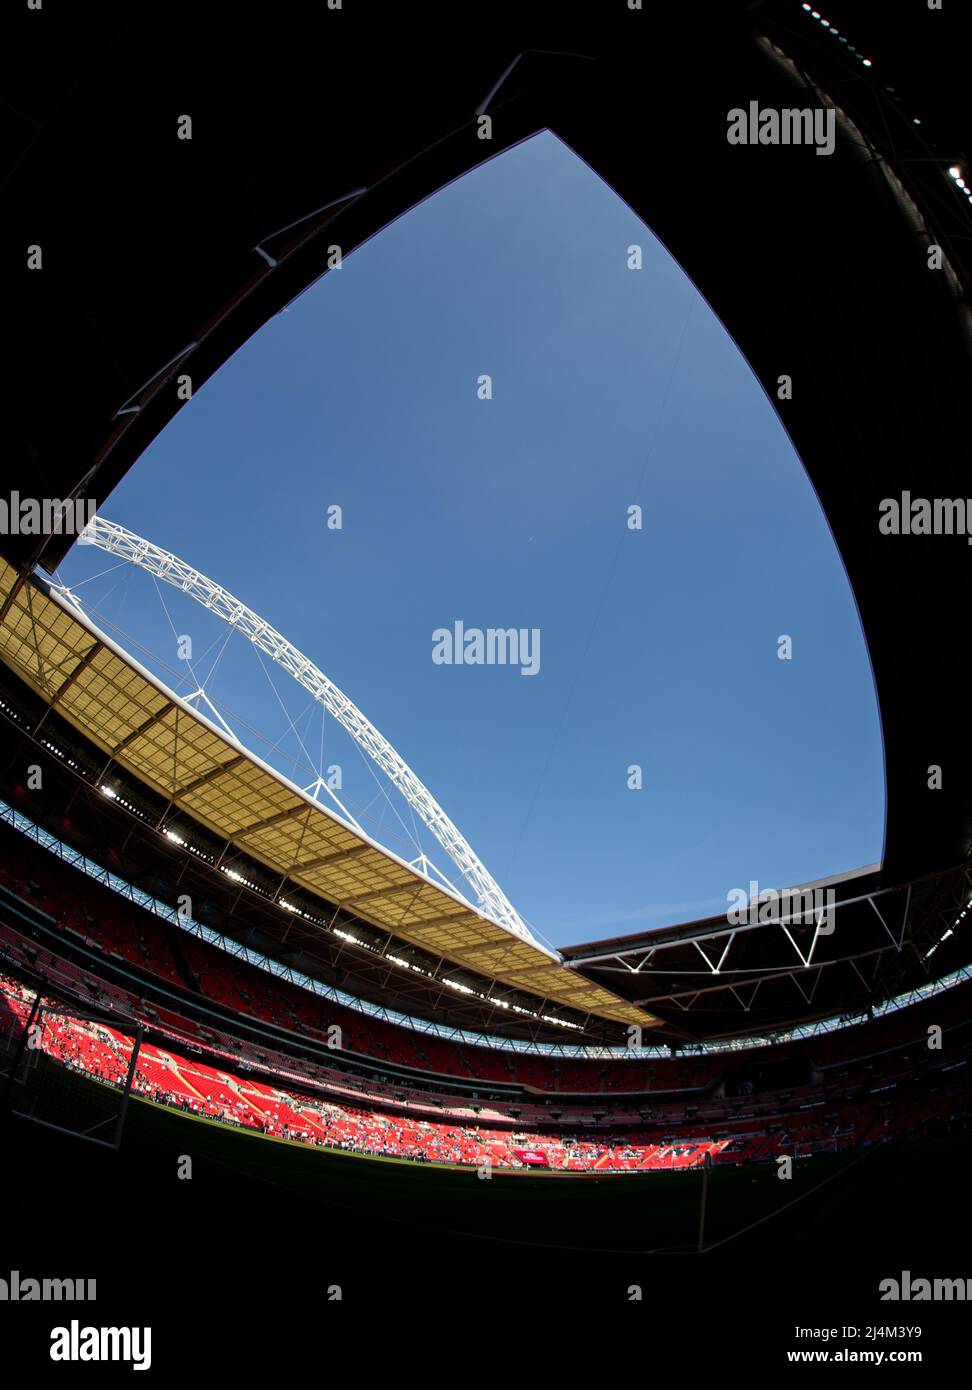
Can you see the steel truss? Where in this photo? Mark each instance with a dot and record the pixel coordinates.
(916, 919)
(117, 540)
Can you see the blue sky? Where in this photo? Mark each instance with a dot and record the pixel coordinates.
(611, 387)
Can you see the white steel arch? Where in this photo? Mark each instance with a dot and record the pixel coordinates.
(117, 540)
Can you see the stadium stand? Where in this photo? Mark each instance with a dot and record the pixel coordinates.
(858, 1085)
(168, 1078)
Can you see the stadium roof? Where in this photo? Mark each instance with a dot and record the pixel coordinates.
(178, 251)
(176, 751)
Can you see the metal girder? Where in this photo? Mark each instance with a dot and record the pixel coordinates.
(69, 680)
(82, 666)
(666, 939)
(734, 980)
(117, 540)
(647, 953)
(932, 925)
(143, 728)
(327, 859)
(443, 921)
(268, 821)
(211, 775)
(374, 893)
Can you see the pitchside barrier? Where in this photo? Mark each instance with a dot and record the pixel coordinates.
(44, 1037)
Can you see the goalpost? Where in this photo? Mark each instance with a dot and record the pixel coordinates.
(41, 1030)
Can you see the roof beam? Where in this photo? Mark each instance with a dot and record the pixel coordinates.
(334, 858)
(143, 728)
(82, 665)
(278, 819)
(435, 921)
(384, 893)
(69, 680)
(211, 775)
